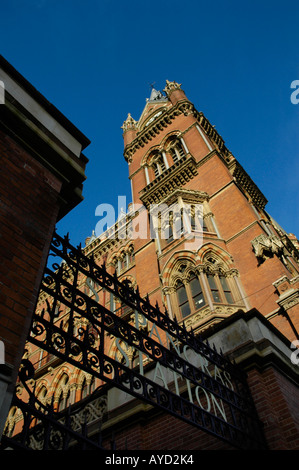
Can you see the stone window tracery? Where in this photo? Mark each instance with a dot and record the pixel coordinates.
(63, 393)
(42, 395)
(208, 284)
(159, 166)
(176, 150)
(124, 260)
(162, 158)
(180, 221)
(87, 386)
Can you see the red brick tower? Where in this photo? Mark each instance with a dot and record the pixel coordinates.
(237, 259)
(244, 259)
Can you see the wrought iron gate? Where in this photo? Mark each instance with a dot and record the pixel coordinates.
(221, 381)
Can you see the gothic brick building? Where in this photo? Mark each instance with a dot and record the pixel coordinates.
(211, 256)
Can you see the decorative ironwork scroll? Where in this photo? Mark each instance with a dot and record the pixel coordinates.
(216, 398)
(43, 428)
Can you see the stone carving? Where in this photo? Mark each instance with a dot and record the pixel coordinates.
(129, 123)
(171, 86)
(95, 410)
(265, 246)
(289, 300)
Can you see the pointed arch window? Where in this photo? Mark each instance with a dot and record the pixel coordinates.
(183, 301)
(68, 399)
(42, 395)
(125, 310)
(64, 394)
(190, 296)
(176, 151)
(124, 260)
(204, 225)
(226, 289)
(84, 388)
(197, 221)
(175, 227)
(195, 290)
(159, 166)
(214, 288)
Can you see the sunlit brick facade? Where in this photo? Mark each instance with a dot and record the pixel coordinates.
(241, 260)
(176, 156)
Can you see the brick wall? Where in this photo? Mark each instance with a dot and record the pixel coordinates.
(163, 432)
(276, 400)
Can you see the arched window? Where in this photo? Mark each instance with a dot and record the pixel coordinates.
(168, 233)
(159, 166)
(190, 296)
(123, 261)
(63, 401)
(84, 389)
(64, 393)
(198, 222)
(42, 397)
(183, 301)
(174, 227)
(226, 289)
(176, 150)
(214, 288)
(156, 169)
(42, 394)
(194, 290)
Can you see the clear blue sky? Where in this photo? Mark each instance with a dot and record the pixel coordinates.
(236, 59)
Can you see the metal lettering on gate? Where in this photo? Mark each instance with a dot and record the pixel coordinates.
(215, 396)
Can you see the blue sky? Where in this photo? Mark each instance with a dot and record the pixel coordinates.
(95, 60)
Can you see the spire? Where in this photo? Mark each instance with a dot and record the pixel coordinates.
(171, 86)
(129, 124)
(156, 95)
(174, 92)
(129, 128)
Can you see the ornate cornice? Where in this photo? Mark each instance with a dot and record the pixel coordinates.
(189, 196)
(158, 125)
(211, 132)
(165, 119)
(206, 317)
(246, 184)
(289, 300)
